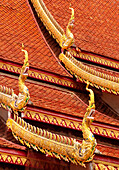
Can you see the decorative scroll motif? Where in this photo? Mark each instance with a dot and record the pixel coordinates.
(50, 23)
(57, 145)
(11, 100)
(68, 39)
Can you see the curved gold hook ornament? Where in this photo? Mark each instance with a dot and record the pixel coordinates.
(58, 145)
(68, 39)
(18, 102)
(87, 148)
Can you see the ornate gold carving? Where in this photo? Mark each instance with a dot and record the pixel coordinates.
(57, 145)
(7, 96)
(101, 165)
(96, 129)
(68, 39)
(11, 158)
(50, 23)
(83, 73)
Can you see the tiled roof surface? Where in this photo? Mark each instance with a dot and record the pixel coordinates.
(17, 26)
(108, 150)
(55, 99)
(9, 144)
(96, 27)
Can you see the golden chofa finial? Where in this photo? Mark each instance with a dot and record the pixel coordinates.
(68, 39)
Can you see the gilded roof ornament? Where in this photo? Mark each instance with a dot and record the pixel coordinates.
(56, 145)
(8, 98)
(68, 39)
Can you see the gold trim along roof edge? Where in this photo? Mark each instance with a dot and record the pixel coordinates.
(26, 161)
(39, 139)
(40, 75)
(84, 74)
(12, 158)
(57, 32)
(50, 23)
(57, 145)
(95, 58)
(100, 165)
(67, 122)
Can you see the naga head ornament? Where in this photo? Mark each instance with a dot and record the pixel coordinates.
(19, 102)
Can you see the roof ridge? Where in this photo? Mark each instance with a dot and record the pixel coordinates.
(50, 23)
(52, 52)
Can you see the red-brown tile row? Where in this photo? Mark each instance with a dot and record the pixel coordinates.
(96, 24)
(18, 26)
(56, 99)
(9, 144)
(108, 150)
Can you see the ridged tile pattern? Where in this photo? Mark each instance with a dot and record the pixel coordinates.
(18, 26)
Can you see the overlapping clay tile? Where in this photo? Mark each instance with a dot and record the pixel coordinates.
(108, 150)
(17, 27)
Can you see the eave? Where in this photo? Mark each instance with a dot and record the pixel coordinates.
(39, 75)
(70, 122)
(37, 136)
(28, 159)
(110, 85)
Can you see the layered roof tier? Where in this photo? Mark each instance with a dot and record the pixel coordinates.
(53, 103)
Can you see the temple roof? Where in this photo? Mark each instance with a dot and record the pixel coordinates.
(56, 99)
(19, 26)
(96, 24)
(95, 31)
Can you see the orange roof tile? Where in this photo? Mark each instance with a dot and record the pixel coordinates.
(96, 24)
(9, 144)
(108, 150)
(18, 26)
(56, 99)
